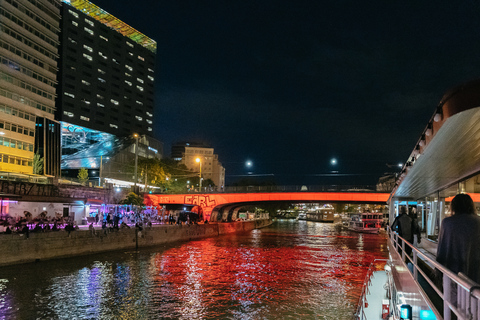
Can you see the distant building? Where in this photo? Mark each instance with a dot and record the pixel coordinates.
(386, 183)
(28, 53)
(187, 153)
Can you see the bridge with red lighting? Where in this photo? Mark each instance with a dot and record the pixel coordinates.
(214, 205)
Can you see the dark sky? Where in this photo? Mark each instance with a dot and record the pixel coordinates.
(290, 85)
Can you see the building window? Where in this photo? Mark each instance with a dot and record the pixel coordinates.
(103, 38)
(140, 80)
(89, 22)
(141, 58)
(115, 102)
(102, 80)
(88, 48)
(140, 88)
(88, 30)
(113, 126)
(128, 82)
(73, 13)
(87, 56)
(86, 82)
(128, 67)
(84, 118)
(69, 95)
(139, 118)
(151, 78)
(129, 44)
(75, 23)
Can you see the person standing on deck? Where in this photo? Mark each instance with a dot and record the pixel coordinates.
(403, 225)
(459, 234)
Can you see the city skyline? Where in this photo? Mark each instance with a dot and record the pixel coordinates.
(291, 86)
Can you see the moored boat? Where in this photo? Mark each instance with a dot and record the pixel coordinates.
(366, 222)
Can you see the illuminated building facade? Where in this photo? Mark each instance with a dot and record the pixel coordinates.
(105, 92)
(28, 53)
(106, 72)
(187, 153)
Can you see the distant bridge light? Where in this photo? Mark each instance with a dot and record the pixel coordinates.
(249, 163)
(333, 161)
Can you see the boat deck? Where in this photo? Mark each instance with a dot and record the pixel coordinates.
(376, 293)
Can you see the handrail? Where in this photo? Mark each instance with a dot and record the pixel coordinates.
(467, 305)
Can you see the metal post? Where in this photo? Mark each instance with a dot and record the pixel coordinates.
(446, 297)
(200, 183)
(100, 172)
(136, 161)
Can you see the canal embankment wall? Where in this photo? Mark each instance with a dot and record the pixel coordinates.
(18, 248)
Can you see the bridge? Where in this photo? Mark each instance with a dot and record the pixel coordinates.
(218, 206)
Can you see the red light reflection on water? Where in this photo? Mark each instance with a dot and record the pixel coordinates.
(285, 271)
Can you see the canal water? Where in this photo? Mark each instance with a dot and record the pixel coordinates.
(291, 270)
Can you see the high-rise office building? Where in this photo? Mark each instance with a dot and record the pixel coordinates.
(106, 72)
(28, 53)
(105, 90)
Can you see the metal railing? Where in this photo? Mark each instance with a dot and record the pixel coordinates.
(460, 295)
(360, 313)
(291, 188)
(21, 177)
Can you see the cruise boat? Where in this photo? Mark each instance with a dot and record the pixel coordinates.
(325, 214)
(366, 222)
(408, 287)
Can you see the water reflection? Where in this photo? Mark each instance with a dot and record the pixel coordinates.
(291, 270)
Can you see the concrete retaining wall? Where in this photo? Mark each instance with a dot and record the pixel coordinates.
(16, 248)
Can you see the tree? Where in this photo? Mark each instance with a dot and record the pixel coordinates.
(37, 164)
(133, 198)
(83, 176)
(208, 182)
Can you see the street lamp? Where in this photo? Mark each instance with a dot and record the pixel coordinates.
(200, 172)
(135, 135)
(101, 170)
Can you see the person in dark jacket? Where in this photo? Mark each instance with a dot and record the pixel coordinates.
(403, 225)
(457, 241)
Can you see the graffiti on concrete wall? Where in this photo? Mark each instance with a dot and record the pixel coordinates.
(201, 200)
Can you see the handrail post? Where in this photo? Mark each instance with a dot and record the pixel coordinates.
(415, 266)
(446, 297)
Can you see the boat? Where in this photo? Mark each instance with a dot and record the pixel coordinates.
(302, 216)
(366, 222)
(325, 214)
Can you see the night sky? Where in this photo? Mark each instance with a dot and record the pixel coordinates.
(290, 85)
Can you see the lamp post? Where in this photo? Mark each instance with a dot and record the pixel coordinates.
(135, 135)
(200, 172)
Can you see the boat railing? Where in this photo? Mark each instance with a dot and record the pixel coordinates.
(460, 295)
(360, 313)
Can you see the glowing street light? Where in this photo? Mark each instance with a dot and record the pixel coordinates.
(199, 161)
(333, 161)
(249, 164)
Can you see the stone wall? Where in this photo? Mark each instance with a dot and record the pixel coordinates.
(17, 248)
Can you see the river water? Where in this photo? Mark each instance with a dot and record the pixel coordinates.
(291, 270)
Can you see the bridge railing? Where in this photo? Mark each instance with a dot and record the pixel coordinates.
(294, 188)
(460, 295)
